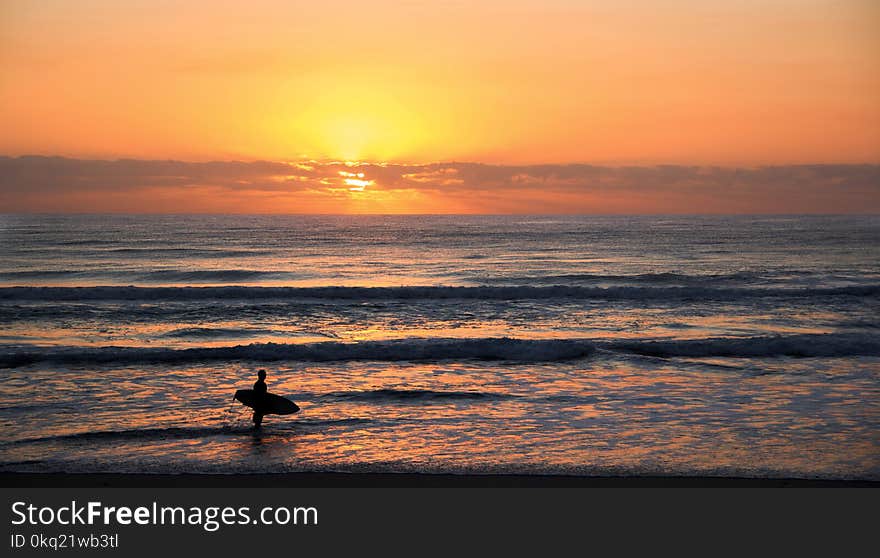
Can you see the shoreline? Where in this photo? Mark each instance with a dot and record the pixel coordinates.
(403, 480)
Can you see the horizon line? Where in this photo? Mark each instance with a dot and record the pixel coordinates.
(206, 214)
(334, 161)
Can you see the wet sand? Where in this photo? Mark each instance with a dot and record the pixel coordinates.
(402, 480)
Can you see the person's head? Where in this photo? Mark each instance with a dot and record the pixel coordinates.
(261, 374)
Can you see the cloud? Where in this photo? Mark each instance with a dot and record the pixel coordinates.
(36, 183)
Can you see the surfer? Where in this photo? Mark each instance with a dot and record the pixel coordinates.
(260, 390)
(264, 403)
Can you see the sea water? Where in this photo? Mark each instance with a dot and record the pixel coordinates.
(596, 345)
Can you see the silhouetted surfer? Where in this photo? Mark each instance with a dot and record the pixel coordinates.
(260, 389)
(264, 403)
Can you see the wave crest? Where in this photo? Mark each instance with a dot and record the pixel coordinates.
(801, 346)
(443, 349)
(431, 349)
(111, 293)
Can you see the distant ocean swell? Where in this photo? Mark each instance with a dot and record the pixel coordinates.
(112, 293)
(158, 276)
(433, 349)
(239, 274)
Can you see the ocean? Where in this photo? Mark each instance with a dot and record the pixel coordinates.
(572, 345)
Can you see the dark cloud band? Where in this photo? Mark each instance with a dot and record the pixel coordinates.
(790, 188)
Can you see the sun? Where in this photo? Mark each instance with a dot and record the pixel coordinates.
(355, 180)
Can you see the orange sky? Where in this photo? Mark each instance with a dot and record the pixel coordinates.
(733, 83)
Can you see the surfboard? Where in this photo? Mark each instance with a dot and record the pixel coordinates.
(270, 404)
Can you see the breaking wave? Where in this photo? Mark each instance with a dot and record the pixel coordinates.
(442, 349)
(804, 346)
(431, 349)
(111, 293)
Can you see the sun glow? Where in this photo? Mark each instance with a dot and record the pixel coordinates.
(438, 107)
(370, 124)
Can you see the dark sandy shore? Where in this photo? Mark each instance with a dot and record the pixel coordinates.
(402, 480)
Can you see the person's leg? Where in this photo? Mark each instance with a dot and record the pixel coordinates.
(258, 419)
